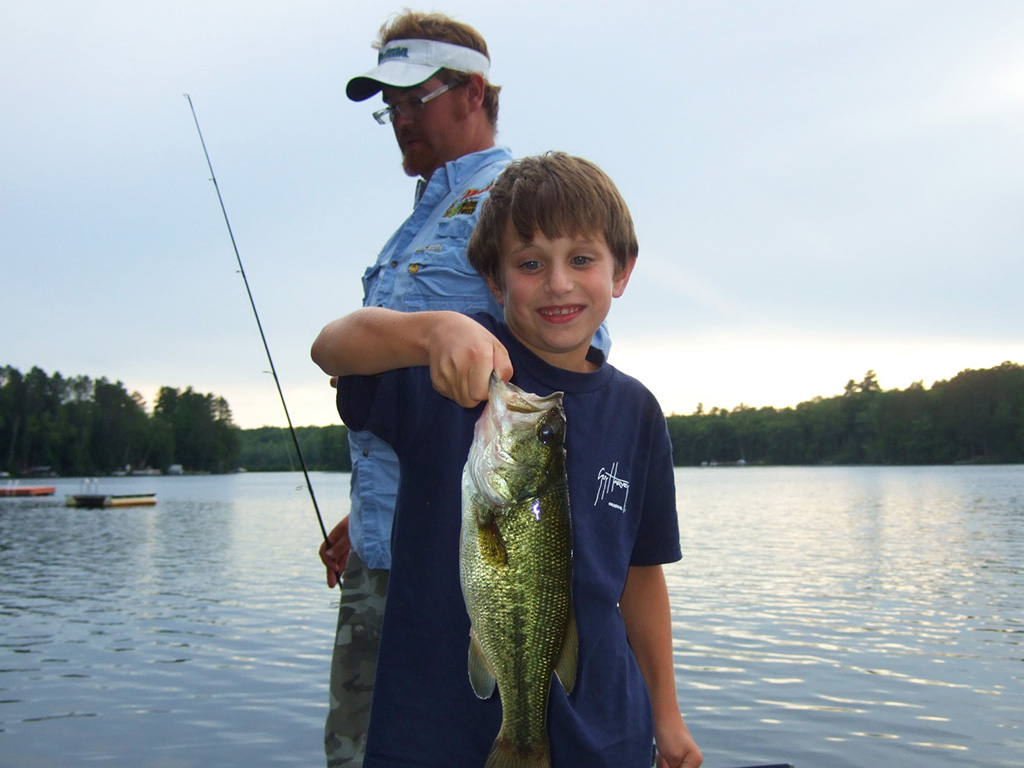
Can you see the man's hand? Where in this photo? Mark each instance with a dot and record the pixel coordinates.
(335, 556)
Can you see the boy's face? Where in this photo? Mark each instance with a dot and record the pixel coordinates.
(556, 293)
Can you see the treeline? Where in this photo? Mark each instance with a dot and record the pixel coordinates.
(975, 417)
(77, 426)
(271, 449)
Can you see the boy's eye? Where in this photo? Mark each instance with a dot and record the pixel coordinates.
(582, 259)
(529, 265)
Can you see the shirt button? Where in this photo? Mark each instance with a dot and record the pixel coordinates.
(366, 453)
(394, 264)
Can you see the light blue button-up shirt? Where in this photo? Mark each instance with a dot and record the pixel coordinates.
(423, 266)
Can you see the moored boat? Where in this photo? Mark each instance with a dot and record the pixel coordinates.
(28, 490)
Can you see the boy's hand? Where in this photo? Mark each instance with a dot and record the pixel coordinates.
(676, 746)
(462, 356)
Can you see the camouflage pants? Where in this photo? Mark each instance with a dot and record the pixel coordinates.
(354, 662)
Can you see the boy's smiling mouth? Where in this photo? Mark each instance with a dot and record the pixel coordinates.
(561, 314)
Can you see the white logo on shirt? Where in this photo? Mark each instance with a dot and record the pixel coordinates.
(612, 489)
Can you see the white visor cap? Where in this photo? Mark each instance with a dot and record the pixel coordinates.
(405, 63)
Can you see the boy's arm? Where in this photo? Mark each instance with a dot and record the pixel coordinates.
(461, 353)
(646, 613)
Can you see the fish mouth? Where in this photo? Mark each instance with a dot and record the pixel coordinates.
(506, 396)
(488, 451)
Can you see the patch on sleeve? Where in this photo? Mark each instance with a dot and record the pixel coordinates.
(467, 204)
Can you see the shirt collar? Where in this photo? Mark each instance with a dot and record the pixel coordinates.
(456, 172)
(552, 376)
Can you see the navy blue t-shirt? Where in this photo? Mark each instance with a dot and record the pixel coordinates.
(622, 501)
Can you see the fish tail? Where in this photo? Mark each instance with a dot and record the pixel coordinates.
(505, 754)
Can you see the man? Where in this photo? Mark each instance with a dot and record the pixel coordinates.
(432, 74)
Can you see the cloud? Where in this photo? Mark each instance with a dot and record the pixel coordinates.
(826, 182)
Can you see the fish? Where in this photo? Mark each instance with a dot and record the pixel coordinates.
(515, 567)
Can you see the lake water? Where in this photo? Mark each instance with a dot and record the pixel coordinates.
(828, 617)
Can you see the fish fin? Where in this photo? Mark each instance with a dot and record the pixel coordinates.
(481, 677)
(492, 546)
(505, 754)
(565, 668)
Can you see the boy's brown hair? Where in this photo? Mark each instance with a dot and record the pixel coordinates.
(558, 195)
(413, 25)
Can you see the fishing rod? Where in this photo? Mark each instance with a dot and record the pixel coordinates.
(266, 347)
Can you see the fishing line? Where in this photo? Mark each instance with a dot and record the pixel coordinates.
(252, 302)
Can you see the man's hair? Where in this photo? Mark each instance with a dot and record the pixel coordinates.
(413, 25)
(558, 195)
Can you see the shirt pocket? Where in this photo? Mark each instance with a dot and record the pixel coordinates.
(371, 277)
(440, 277)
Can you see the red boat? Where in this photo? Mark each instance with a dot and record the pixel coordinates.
(27, 490)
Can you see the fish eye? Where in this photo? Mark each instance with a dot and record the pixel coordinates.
(546, 434)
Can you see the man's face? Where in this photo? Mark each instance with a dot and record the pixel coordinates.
(431, 136)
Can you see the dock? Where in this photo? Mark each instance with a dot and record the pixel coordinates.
(106, 500)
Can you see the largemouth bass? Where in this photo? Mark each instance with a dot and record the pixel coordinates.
(516, 567)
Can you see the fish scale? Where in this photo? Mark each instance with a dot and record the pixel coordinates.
(516, 567)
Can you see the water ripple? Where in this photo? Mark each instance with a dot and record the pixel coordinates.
(827, 617)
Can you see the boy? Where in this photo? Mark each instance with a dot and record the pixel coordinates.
(555, 243)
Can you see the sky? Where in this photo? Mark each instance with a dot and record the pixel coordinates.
(820, 187)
